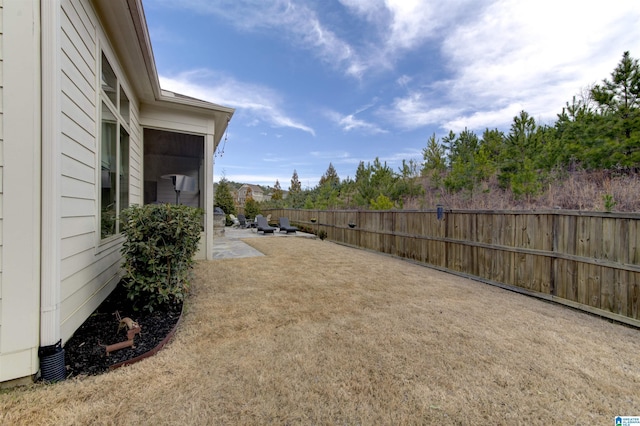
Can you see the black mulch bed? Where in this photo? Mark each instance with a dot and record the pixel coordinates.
(85, 352)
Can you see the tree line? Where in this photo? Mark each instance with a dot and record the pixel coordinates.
(599, 129)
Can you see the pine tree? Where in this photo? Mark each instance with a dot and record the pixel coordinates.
(434, 160)
(277, 191)
(295, 183)
(517, 166)
(618, 101)
(330, 177)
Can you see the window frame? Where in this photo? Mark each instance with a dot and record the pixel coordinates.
(118, 195)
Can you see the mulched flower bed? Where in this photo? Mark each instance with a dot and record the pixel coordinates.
(85, 352)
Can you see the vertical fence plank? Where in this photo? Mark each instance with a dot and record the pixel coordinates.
(607, 289)
(502, 247)
(594, 283)
(634, 295)
(632, 244)
(621, 292)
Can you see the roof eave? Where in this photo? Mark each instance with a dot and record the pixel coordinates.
(124, 21)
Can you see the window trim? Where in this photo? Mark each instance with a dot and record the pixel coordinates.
(122, 123)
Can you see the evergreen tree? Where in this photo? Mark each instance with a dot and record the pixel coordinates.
(330, 177)
(462, 160)
(407, 184)
(364, 190)
(223, 197)
(295, 183)
(434, 164)
(251, 208)
(277, 191)
(618, 100)
(517, 167)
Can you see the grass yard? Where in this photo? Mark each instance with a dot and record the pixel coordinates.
(317, 333)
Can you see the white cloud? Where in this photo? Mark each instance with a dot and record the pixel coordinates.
(534, 56)
(415, 110)
(349, 122)
(258, 103)
(516, 55)
(296, 23)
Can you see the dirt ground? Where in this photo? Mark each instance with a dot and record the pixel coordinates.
(317, 333)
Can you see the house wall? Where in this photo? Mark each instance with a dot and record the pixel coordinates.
(19, 188)
(1, 155)
(89, 267)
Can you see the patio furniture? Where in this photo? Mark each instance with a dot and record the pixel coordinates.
(286, 226)
(234, 219)
(263, 225)
(243, 221)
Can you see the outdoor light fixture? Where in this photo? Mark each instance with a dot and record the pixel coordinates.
(181, 183)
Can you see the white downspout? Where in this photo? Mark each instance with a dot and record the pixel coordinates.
(51, 168)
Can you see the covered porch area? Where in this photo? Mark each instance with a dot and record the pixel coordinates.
(178, 160)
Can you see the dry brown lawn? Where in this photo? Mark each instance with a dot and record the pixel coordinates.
(317, 333)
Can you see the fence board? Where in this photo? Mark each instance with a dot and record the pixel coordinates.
(632, 244)
(634, 295)
(607, 289)
(588, 259)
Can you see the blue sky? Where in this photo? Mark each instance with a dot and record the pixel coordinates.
(342, 81)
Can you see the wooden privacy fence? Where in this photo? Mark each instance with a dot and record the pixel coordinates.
(587, 260)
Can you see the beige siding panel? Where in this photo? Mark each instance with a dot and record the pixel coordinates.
(75, 169)
(85, 15)
(71, 320)
(70, 226)
(74, 188)
(77, 152)
(136, 165)
(80, 99)
(152, 116)
(79, 116)
(76, 207)
(83, 78)
(89, 274)
(77, 244)
(81, 136)
(89, 269)
(70, 30)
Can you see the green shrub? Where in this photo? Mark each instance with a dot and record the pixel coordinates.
(251, 208)
(609, 202)
(161, 240)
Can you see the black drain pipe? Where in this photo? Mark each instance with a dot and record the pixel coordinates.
(52, 362)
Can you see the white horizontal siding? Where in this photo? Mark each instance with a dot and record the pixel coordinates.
(178, 121)
(70, 226)
(75, 168)
(78, 36)
(1, 154)
(77, 207)
(79, 116)
(135, 161)
(89, 268)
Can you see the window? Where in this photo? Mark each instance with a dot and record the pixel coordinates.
(114, 151)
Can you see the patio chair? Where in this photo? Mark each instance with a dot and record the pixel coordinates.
(285, 226)
(243, 221)
(234, 219)
(263, 225)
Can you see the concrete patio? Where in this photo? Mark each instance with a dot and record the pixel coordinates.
(230, 244)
